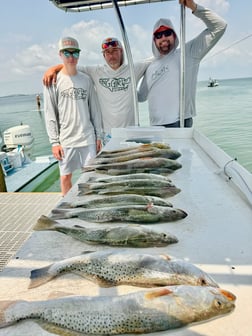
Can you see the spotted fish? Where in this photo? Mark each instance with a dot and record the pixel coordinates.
(113, 268)
(142, 214)
(108, 201)
(126, 235)
(146, 311)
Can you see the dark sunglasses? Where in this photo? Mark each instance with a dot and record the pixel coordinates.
(166, 33)
(68, 53)
(106, 45)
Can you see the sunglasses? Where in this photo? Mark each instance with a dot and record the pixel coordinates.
(74, 54)
(106, 45)
(166, 33)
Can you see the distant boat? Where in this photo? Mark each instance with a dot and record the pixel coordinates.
(15, 159)
(212, 82)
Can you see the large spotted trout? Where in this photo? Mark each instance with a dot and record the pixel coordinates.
(141, 312)
(113, 268)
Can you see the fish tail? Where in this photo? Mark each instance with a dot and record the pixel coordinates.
(60, 214)
(4, 306)
(91, 179)
(44, 223)
(40, 276)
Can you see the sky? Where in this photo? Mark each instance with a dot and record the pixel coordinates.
(30, 31)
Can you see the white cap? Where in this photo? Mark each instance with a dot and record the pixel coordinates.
(68, 43)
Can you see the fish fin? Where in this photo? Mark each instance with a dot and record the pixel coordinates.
(96, 279)
(44, 223)
(165, 257)
(61, 214)
(64, 205)
(58, 294)
(40, 276)
(4, 306)
(79, 226)
(53, 329)
(230, 296)
(86, 252)
(160, 292)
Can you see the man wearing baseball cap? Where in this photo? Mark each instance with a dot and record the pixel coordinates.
(161, 83)
(113, 84)
(72, 115)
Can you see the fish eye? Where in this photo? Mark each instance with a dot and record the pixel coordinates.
(218, 304)
(203, 282)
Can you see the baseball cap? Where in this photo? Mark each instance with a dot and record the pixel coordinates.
(161, 29)
(110, 42)
(68, 43)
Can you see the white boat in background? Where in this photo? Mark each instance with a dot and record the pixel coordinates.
(21, 172)
(212, 82)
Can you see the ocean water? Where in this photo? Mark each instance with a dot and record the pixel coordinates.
(224, 114)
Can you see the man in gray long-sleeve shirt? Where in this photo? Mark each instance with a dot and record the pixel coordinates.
(161, 83)
(72, 115)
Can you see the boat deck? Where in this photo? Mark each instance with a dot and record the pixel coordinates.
(17, 179)
(19, 212)
(216, 236)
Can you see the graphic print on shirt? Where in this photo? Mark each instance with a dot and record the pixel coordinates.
(159, 73)
(115, 84)
(74, 93)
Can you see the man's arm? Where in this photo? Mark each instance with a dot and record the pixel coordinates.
(50, 75)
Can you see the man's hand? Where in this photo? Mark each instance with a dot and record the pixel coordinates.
(50, 75)
(98, 146)
(189, 4)
(58, 152)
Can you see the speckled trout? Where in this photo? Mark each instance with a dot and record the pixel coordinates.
(126, 235)
(133, 149)
(144, 185)
(139, 176)
(108, 201)
(138, 163)
(141, 312)
(154, 152)
(126, 213)
(116, 267)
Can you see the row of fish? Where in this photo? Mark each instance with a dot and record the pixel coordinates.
(135, 194)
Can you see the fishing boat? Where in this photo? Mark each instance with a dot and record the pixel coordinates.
(216, 192)
(20, 171)
(212, 82)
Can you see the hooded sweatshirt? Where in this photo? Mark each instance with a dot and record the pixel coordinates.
(161, 83)
(114, 90)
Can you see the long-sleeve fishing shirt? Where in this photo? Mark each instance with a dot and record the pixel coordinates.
(72, 111)
(161, 83)
(114, 91)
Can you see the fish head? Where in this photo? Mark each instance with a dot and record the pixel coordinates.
(206, 280)
(193, 303)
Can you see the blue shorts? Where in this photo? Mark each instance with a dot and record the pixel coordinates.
(76, 158)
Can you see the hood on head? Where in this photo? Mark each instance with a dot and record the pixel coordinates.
(159, 23)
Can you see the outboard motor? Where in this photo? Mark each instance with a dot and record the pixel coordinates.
(19, 138)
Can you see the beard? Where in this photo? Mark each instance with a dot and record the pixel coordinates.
(165, 47)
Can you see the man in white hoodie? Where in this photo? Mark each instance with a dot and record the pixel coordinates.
(113, 85)
(161, 83)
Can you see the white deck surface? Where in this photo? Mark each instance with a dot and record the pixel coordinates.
(216, 236)
(20, 176)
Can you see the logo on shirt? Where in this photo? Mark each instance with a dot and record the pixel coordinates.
(115, 84)
(74, 93)
(159, 73)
